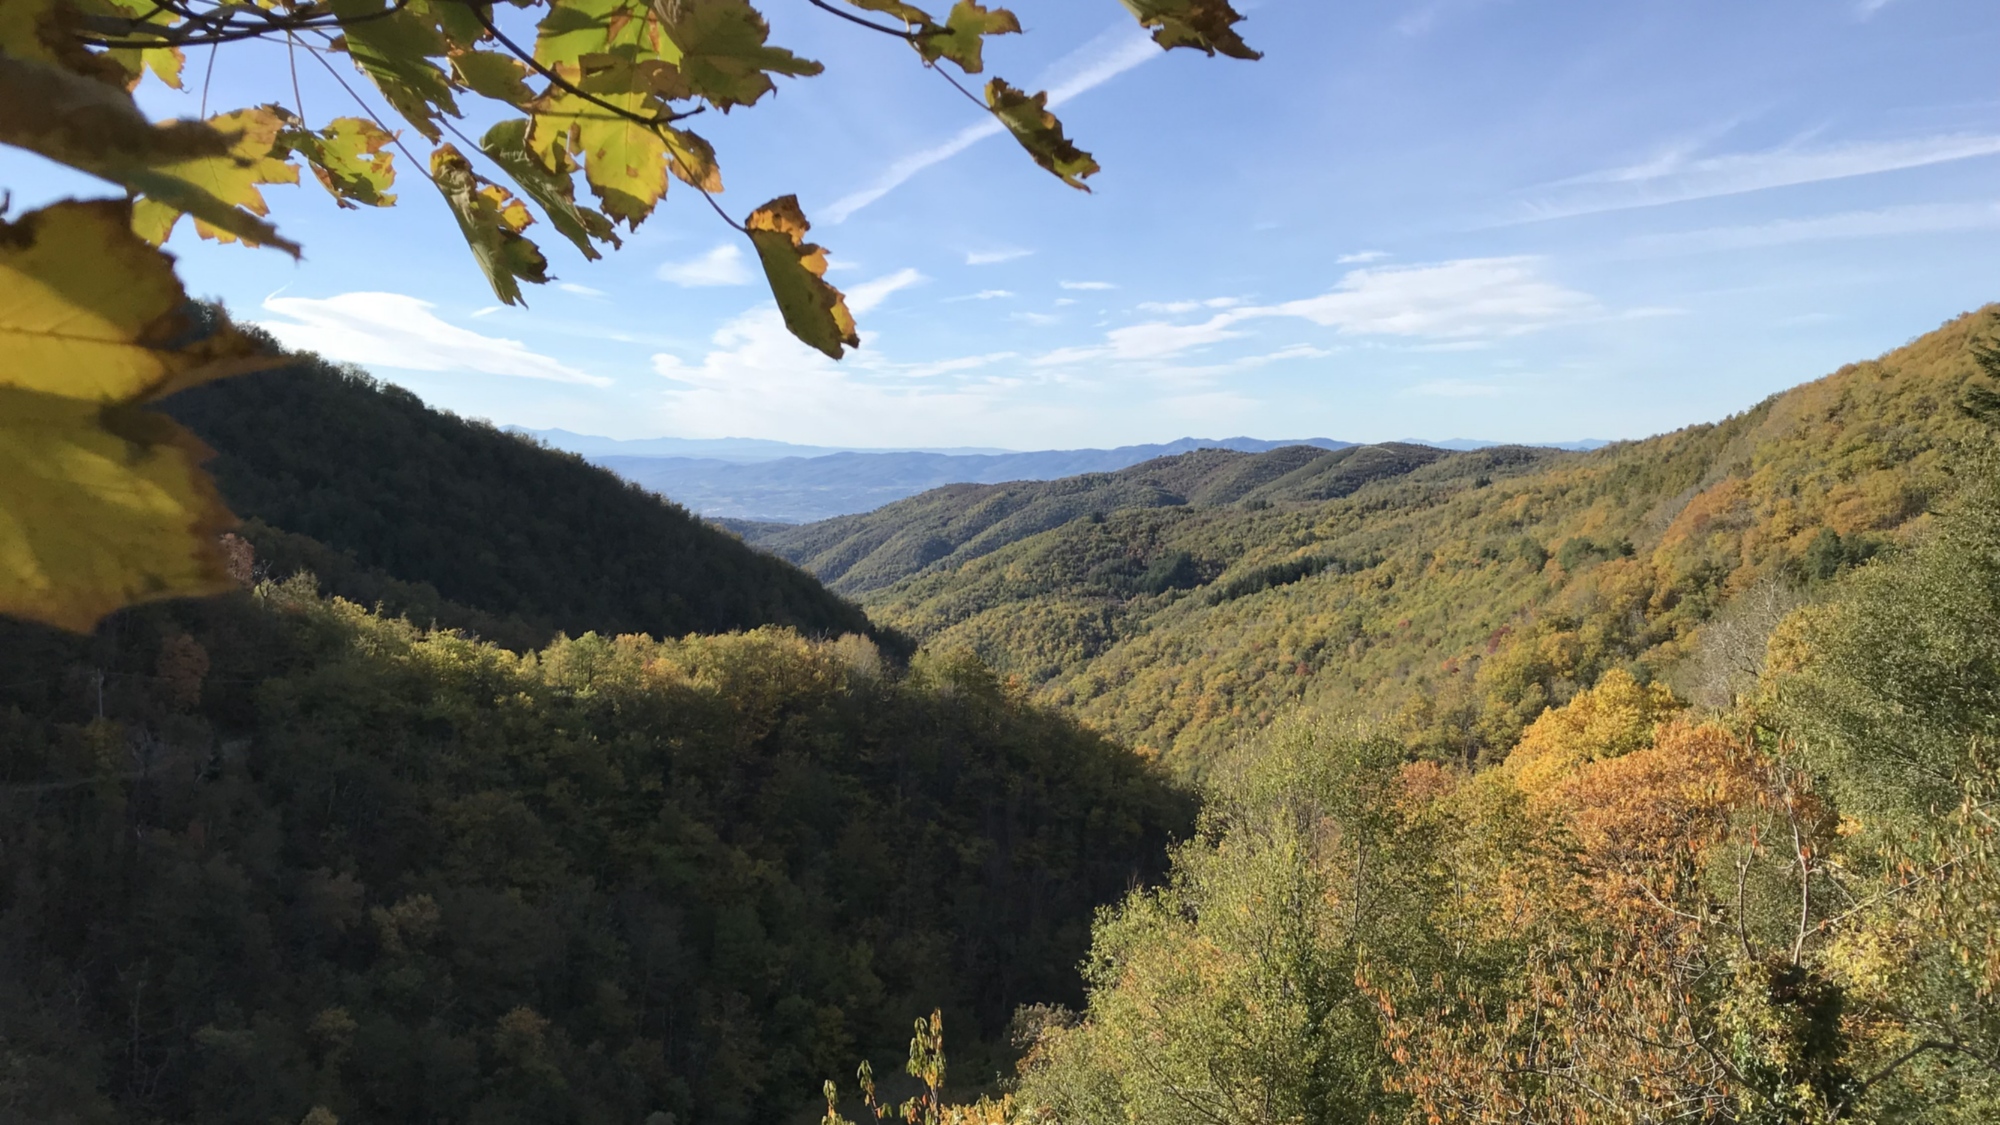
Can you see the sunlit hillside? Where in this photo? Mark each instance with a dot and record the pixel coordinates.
(1458, 599)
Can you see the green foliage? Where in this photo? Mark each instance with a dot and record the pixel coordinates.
(267, 853)
(491, 521)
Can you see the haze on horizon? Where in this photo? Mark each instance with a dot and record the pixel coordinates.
(1414, 217)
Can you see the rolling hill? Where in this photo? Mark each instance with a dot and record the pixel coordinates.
(1458, 595)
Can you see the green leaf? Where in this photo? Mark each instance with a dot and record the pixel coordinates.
(101, 504)
(1040, 133)
(814, 311)
(507, 145)
(492, 221)
(394, 48)
(962, 40)
(908, 13)
(1205, 25)
(493, 75)
(721, 50)
(350, 158)
(96, 128)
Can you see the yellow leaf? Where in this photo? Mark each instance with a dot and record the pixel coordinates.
(1040, 133)
(350, 158)
(255, 157)
(814, 311)
(493, 75)
(101, 504)
(96, 128)
(492, 221)
(89, 312)
(101, 508)
(720, 48)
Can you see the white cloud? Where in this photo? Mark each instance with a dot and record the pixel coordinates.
(488, 310)
(992, 257)
(1455, 388)
(983, 295)
(1097, 62)
(579, 290)
(1925, 218)
(870, 294)
(1040, 320)
(395, 330)
(1459, 301)
(1677, 176)
(1362, 257)
(1177, 307)
(1867, 8)
(1468, 297)
(723, 265)
(1088, 286)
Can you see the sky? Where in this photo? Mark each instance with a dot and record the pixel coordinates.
(1498, 219)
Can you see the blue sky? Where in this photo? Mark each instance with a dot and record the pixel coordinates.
(1441, 218)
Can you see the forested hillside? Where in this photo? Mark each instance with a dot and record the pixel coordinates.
(531, 541)
(266, 852)
(949, 526)
(1458, 595)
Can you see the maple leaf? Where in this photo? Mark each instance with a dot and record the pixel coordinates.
(1040, 133)
(493, 75)
(962, 38)
(1205, 25)
(814, 311)
(492, 221)
(95, 128)
(350, 158)
(394, 48)
(102, 504)
(255, 157)
(507, 145)
(721, 50)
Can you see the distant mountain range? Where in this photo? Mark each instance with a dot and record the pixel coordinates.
(753, 479)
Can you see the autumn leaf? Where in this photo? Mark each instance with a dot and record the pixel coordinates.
(721, 51)
(493, 75)
(394, 48)
(95, 128)
(492, 221)
(1205, 25)
(142, 19)
(962, 39)
(908, 13)
(507, 145)
(350, 158)
(254, 158)
(102, 504)
(814, 311)
(1040, 133)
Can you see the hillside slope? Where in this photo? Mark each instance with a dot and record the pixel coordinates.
(266, 852)
(950, 526)
(491, 521)
(1459, 598)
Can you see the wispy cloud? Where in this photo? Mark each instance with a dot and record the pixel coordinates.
(1362, 257)
(982, 295)
(1090, 286)
(1864, 9)
(723, 265)
(869, 295)
(1922, 218)
(396, 330)
(993, 257)
(580, 290)
(1679, 176)
(1461, 301)
(1097, 62)
(1177, 307)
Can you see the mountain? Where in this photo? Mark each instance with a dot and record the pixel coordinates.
(716, 449)
(1455, 596)
(402, 498)
(948, 527)
(804, 489)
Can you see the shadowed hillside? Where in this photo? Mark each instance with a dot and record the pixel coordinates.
(492, 522)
